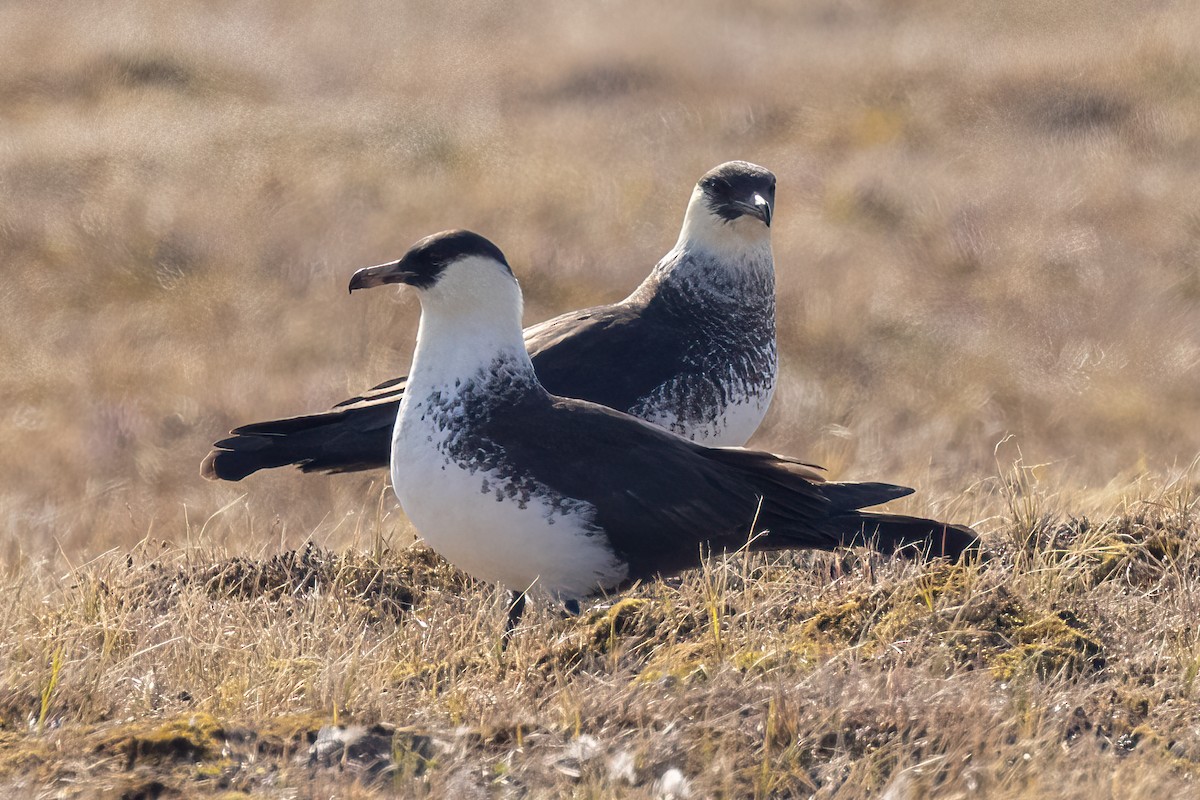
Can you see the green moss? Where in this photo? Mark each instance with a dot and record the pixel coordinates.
(193, 737)
(877, 619)
(21, 753)
(632, 625)
(1113, 554)
(755, 661)
(976, 629)
(1048, 645)
(898, 622)
(687, 662)
(279, 734)
(212, 770)
(843, 622)
(630, 617)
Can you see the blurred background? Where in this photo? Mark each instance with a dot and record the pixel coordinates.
(987, 234)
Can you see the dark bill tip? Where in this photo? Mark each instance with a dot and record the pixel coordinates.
(764, 209)
(758, 207)
(370, 277)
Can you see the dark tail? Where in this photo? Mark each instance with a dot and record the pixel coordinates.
(799, 509)
(913, 537)
(345, 440)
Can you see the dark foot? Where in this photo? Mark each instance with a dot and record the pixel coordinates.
(516, 607)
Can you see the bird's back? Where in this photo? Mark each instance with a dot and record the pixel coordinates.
(658, 497)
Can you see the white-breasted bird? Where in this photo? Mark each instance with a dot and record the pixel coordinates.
(515, 485)
(692, 349)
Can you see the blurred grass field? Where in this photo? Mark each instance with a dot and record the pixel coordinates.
(988, 250)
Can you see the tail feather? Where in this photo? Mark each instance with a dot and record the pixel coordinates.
(288, 425)
(780, 477)
(853, 496)
(798, 508)
(333, 441)
(388, 390)
(910, 536)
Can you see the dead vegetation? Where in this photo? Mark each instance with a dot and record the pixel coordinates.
(987, 245)
(1064, 663)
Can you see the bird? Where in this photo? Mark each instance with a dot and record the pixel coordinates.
(515, 485)
(692, 349)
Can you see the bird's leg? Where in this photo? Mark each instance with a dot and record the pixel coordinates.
(516, 607)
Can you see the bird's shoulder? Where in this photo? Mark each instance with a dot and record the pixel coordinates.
(586, 428)
(612, 323)
(614, 354)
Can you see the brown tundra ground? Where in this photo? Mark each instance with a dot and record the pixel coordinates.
(988, 249)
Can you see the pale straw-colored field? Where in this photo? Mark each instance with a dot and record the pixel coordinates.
(988, 250)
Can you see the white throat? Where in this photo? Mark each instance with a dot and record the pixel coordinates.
(469, 319)
(712, 252)
(740, 247)
(725, 239)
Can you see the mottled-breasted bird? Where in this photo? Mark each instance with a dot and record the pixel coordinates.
(692, 349)
(515, 485)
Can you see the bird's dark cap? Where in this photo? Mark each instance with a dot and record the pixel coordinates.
(426, 260)
(739, 188)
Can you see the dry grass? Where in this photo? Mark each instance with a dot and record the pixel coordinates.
(988, 254)
(1066, 666)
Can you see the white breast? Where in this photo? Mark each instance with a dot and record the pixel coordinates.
(729, 426)
(546, 542)
(739, 422)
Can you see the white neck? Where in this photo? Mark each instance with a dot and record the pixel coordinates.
(469, 319)
(740, 245)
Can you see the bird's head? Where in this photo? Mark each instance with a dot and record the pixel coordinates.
(454, 272)
(732, 203)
